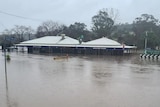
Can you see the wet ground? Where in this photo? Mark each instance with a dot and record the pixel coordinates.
(79, 81)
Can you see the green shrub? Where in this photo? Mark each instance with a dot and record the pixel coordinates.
(8, 57)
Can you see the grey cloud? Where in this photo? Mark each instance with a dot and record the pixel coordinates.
(69, 11)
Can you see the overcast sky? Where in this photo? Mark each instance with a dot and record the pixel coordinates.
(69, 11)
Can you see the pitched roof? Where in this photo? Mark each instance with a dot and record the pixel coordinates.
(104, 41)
(43, 40)
(52, 40)
(70, 42)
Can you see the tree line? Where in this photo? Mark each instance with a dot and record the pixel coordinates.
(103, 25)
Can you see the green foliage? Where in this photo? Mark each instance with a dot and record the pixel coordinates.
(146, 23)
(103, 24)
(124, 33)
(8, 57)
(153, 40)
(77, 29)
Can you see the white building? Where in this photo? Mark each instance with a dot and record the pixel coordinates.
(65, 44)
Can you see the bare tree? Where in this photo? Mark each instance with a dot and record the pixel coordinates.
(49, 28)
(113, 14)
(7, 32)
(19, 32)
(29, 32)
(22, 32)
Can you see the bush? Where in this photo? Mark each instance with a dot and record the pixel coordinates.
(8, 57)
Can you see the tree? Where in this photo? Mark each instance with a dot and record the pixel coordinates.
(7, 38)
(16, 34)
(146, 23)
(78, 31)
(29, 32)
(19, 32)
(49, 28)
(124, 34)
(22, 32)
(103, 22)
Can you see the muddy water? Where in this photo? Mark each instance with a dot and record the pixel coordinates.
(79, 81)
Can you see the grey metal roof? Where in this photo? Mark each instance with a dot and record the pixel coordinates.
(51, 40)
(104, 41)
(65, 41)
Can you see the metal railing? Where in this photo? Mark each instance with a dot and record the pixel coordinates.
(152, 52)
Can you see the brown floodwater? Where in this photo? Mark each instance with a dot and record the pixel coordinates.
(79, 81)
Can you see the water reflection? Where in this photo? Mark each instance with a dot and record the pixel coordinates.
(80, 81)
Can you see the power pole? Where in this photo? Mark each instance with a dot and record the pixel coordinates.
(145, 45)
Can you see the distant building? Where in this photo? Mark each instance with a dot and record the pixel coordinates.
(64, 44)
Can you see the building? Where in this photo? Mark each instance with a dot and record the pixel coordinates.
(67, 45)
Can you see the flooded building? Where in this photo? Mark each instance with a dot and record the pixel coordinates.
(66, 45)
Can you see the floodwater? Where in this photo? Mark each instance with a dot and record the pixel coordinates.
(79, 81)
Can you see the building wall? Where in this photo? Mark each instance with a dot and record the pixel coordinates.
(77, 50)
